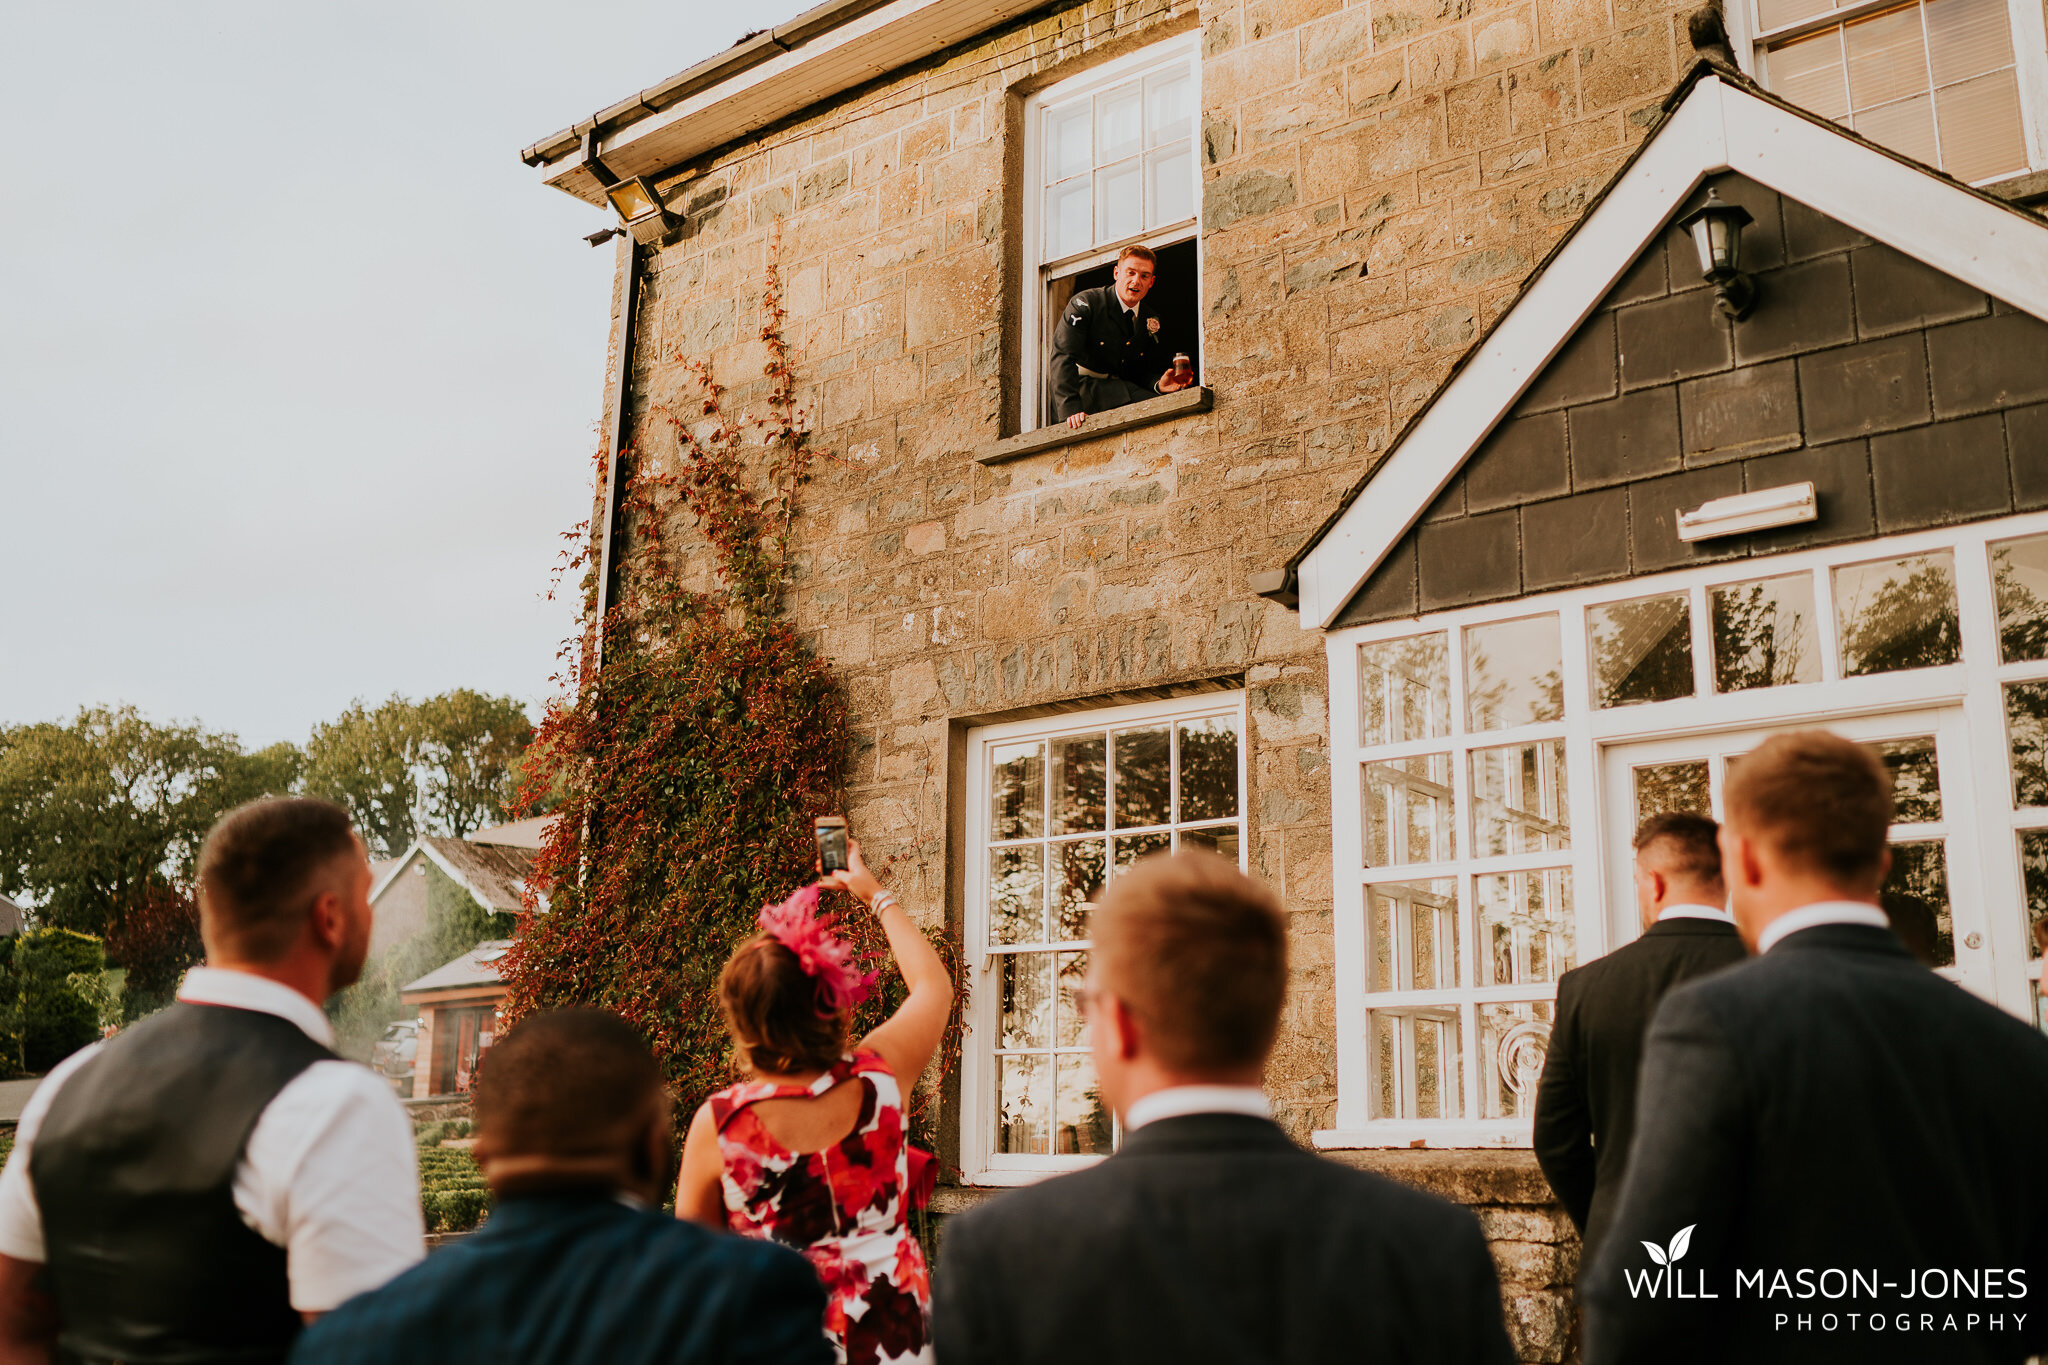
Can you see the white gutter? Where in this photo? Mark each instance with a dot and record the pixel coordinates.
(821, 53)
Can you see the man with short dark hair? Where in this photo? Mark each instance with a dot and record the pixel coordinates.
(197, 1187)
(1586, 1102)
(1837, 1145)
(1108, 349)
(577, 1265)
(1208, 1236)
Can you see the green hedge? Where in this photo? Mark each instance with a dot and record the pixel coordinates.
(453, 1196)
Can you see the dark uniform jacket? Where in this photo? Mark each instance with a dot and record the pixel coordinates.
(1211, 1239)
(1586, 1103)
(1830, 1107)
(1094, 333)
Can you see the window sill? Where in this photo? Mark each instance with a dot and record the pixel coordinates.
(1164, 408)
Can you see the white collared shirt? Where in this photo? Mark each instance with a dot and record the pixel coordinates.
(329, 1172)
(1817, 914)
(1711, 912)
(1177, 1100)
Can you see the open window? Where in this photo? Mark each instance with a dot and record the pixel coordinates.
(1109, 162)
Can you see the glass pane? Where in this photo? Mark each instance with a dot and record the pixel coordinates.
(2019, 574)
(1218, 839)
(1080, 886)
(1023, 1106)
(1419, 1054)
(1077, 784)
(1527, 931)
(1208, 768)
(1513, 1040)
(1916, 779)
(1073, 1024)
(1132, 847)
(1898, 613)
(2034, 871)
(1906, 127)
(1017, 790)
(1980, 127)
(1409, 811)
(1764, 633)
(1118, 124)
(1413, 927)
(1967, 38)
(1518, 799)
(1887, 58)
(1514, 673)
(1016, 894)
(1083, 1126)
(1119, 207)
(1642, 650)
(1170, 106)
(1404, 689)
(1809, 73)
(1682, 787)
(1772, 14)
(1915, 897)
(1170, 185)
(1027, 999)
(1069, 218)
(2026, 730)
(1067, 149)
(1143, 776)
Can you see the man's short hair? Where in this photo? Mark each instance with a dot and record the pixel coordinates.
(260, 868)
(1143, 253)
(1198, 951)
(1688, 841)
(568, 1082)
(1822, 802)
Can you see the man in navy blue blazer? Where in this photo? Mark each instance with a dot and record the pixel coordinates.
(576, 1264)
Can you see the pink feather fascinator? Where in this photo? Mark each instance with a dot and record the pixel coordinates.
(824, 956)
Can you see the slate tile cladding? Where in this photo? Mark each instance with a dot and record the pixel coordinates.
(1909, 398)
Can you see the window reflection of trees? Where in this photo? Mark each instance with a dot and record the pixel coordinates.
(1679, 787)
(1514, 673)
(1897, 615)
(1642, 650)
(1763, 634)
(1404, 689)
(1920, 870)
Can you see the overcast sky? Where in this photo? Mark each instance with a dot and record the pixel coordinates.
(300, 368)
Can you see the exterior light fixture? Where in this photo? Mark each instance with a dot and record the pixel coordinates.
(1758, 511)
(640, 208)
(1716, 230)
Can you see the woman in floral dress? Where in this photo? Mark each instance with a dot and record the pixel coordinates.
(813, 1151)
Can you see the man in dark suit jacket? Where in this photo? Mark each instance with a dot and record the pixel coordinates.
(1208, 1236)
(578, 1265)
(1840, 1145)
(1108, 350)
(1586, 1102)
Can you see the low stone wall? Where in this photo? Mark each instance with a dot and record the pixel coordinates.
(1534, 1245)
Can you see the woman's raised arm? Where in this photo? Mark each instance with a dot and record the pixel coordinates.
(909, 1037)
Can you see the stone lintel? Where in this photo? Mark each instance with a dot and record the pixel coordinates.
(1099, 424)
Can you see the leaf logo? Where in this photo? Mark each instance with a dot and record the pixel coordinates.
(1677, 1250)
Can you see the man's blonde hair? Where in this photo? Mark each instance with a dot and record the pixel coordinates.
(1198, 951)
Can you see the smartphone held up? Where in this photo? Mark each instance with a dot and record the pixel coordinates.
(831, 830)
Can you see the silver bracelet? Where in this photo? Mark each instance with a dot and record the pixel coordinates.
(882, 901)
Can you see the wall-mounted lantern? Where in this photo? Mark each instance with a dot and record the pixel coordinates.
(1716, 229)
(639, 207)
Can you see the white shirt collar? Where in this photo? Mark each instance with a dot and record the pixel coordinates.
(245, 991)
(1131, 308)
(1695, 912)
(1176, 1101)
(1817, 914)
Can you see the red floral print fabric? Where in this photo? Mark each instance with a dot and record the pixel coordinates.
(845, 1208)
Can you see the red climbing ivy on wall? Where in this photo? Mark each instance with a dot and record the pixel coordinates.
(688, 767)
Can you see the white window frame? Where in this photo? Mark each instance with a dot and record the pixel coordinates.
(981, 1164)
(2029, 28)
(1034, 372)
(1999, 967)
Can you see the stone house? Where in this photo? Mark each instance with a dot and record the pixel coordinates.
(1459, 373)
(458, 1004)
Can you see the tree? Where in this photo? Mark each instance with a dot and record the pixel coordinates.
(100, 816)
(448, 765)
